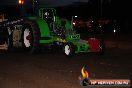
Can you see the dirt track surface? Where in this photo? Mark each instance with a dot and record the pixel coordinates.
(54, 70)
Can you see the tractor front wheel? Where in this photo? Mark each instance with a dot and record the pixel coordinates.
(69, 49)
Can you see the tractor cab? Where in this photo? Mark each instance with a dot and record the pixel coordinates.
(56, 25)
(48, 14)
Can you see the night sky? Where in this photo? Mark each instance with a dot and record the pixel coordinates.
(110, 8)
(113, 9)
(45, 2)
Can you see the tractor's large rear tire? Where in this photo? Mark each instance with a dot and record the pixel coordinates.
(30, 37)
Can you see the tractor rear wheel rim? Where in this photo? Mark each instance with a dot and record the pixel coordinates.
(27, 37)
(67, 50)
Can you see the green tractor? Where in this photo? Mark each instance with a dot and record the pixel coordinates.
(46, 29)
(49, 30)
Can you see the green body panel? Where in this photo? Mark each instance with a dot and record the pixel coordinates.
(81, 46)
(43, 28)
(70, 35)
(42, 25)
(50, 41)
(58, 22)
(68, 25)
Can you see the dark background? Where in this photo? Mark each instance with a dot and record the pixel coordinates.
(118, 10)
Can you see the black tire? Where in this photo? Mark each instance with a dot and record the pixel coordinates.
(9, 45)
(3, 35)
(33, 37)
(10, 41)
(4, 38)
(71, 49)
